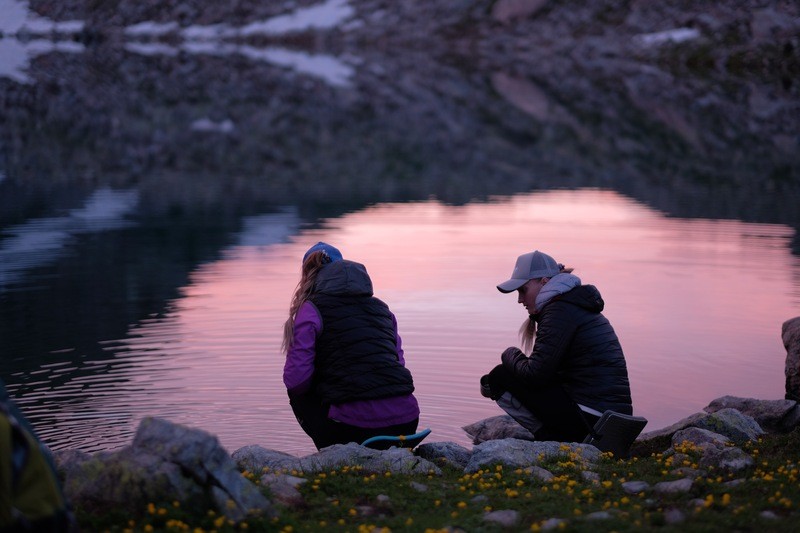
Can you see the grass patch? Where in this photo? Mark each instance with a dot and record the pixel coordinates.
(765, 496)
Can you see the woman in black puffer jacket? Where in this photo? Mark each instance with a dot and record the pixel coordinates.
(576, 369)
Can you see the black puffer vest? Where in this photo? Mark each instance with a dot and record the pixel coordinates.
(356, 351)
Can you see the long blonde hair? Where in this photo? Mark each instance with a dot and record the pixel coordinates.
(311, 267)
(527, 332)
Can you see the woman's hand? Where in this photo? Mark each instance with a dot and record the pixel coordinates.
(510, 357)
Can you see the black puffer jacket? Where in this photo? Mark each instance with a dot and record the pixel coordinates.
(356, 351)
(577, 347)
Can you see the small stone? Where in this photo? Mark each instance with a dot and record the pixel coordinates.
(769, 515)
(599, 515)
(383, 499)
(553, 523)
(635, 487)
(419, 487)
(480, 498)
(505, 517)
(733, 483)
(673, 487)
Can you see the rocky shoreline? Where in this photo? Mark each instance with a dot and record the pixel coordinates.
(173, 463)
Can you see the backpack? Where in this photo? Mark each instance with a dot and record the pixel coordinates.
(31, 498)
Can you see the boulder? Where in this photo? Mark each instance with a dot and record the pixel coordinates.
(523, 453)
(715, 450)
(497, 427)
(260, 460)
(165, 462)
(444, 452)
(284, 489)
(790, 333)
(738, 427)
(393, 460)
(777, 416)
(727, 421)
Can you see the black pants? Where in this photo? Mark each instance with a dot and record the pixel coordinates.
(313, 418)
(562, 419)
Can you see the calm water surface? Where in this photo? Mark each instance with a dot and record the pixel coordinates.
(698, 305)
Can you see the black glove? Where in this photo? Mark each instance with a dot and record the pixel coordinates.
(511, 356)
(487, 391)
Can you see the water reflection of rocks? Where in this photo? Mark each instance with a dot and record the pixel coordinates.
(694, 112)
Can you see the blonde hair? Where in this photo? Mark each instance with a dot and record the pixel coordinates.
(308, 277)
(527, 332)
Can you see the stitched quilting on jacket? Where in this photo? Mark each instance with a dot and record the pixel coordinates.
(577, 347)
(356, 355)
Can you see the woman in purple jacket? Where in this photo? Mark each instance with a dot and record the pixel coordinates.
(345, 372)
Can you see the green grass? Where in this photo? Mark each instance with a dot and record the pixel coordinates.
(350, 500)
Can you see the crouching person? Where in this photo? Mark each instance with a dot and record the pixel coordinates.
(345, 370)
(576, 369)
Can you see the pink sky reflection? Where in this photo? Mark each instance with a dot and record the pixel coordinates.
(698, 305)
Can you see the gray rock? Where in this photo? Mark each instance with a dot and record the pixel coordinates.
(129, 479)
(733, 424)
(480, 498)
(284, 489)
(599, 515)
(698, 438)
(790, 333)
(668, 431)
(729, 458)
(200, 454)
(260, 460)
(522, 453)
(166, 462)
(591, 477)
(419, 487)
(635, 487)
(495, 428)
(673, 487)
(771, 415)
(553, 523)
(394, 460)
(447, 452)
(505, 517)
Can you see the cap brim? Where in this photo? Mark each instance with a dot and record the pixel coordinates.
(511, 285)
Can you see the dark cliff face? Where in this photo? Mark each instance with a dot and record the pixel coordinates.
(458, 102)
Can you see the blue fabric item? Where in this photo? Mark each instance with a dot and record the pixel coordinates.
(384, 442)
(331, 252)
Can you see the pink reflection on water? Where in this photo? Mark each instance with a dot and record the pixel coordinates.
(698, 305)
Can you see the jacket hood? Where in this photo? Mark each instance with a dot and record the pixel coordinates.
(558, 285)
(585, 296)
(344, 278)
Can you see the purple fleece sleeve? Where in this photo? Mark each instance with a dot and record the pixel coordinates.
(299, 367)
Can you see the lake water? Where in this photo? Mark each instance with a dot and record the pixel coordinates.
(697, 303)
